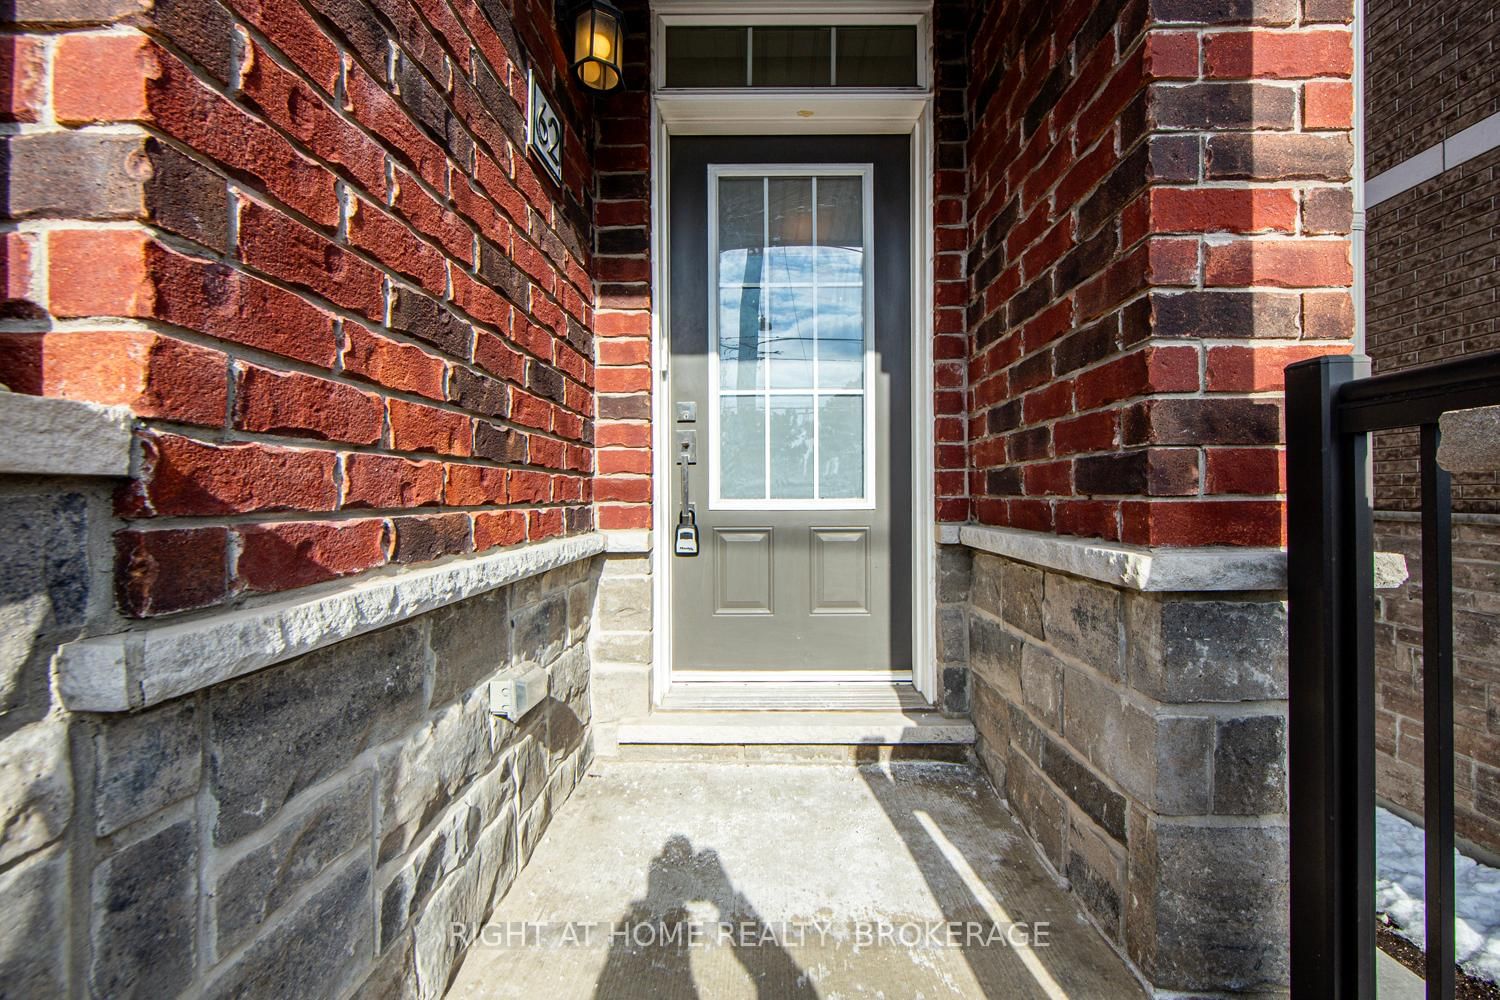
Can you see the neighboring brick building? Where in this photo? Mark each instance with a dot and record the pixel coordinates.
(396, 419)
(1432, 156)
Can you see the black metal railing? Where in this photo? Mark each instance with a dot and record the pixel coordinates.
(1333, 404)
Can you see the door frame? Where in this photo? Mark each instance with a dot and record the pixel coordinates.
(904, 111)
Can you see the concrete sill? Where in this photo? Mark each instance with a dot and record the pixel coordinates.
(797, 728)
(131, 670)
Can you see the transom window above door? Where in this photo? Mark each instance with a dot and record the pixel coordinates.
(791, 56)
(791, 358)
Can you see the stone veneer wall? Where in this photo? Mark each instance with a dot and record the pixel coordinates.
(1141, 739)
(308, 829)
(1476, 681)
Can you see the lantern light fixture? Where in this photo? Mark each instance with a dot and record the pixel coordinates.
(598, 37)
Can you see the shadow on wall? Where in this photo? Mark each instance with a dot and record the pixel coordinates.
(678, 878)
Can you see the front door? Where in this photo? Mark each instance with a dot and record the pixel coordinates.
(790, 331)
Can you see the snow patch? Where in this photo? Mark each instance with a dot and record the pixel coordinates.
(1399, 894)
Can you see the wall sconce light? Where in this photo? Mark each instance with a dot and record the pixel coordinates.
(598, 37)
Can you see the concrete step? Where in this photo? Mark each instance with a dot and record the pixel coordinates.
(793, 696)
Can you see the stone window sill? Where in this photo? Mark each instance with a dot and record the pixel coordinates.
(62, 437)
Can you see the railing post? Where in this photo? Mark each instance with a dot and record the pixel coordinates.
(1437, 713)
(1330, 571)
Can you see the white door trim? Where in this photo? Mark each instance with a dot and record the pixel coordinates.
(778, 113)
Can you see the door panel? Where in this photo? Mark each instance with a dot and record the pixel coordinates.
(790, 325)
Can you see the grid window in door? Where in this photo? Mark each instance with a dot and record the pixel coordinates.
(791, 359)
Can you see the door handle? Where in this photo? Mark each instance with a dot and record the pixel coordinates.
(685, 538)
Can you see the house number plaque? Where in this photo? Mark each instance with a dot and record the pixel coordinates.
(544, 133)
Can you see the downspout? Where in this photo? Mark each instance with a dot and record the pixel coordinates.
(1357, 231)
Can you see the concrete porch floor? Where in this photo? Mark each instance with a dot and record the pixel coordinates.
(817, 855)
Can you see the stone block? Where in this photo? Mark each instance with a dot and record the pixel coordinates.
(319, 950)
(1021, 597)
(144, 762)
(1187, 651)
(954, 569)
(463, 899)
(621, 565)
(539, 630)
(995, 656)
(145, 916)
(1037, 806)
(428, 770)
(36, 787)
(580, 610)
(1083, 620)
(1161, 761)
(1250, 766)
(253, 888)
(952, 635)
(624, 605)
(470, 642)
(986, 583)
(1096, 874)
(955, 685)
(394, 976)
(1208, 906)
(991, 717)
(275, 732)
(620, 647)
(1079, 783)
(34, 926)
(44, 587)
(1042, 685)
(620, 691)
(441, 853)
(1471, 440)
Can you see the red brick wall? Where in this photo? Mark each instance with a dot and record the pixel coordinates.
(305, 244)
(950, 244)
(1159, 209)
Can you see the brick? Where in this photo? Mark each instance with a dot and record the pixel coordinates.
(393, 244)
(276, 245)
(475, 486)
(1284, 55)
(542, 524)
(18, 297)
(298, 405)
(181, 476)
(300, 553)
(478, 393)
(1225, 11)
(493, 529)
(298, 110)
(1327, 105)
(1260, 471)
(292, 30)
(383, 361)
(23, 78)
(499, 444)
(1256, 369)
(1190, 421)
(374, 108)
(1210, 210)
(415, 427)
(525, 486)
(1282, 263)
(1172, 55)
(1327, 315)
(162, 572)
(1327, 210)
(1223, 106)
(426, 319)
(421, 538)
(384, 482)
(1265, 156)
(1218, 522)
(154, 375)
(1226, 314)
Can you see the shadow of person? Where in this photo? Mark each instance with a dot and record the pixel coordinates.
(650, 946)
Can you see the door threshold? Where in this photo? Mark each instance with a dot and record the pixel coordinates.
(835, 728)
(793, 696)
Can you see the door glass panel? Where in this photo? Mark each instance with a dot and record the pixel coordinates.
(791, 447)
(742, 433)
(841, 337)
(741, 349)
(742, 230)
(841, 446)
(790, 230)
(791, 337)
